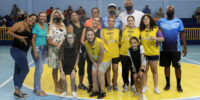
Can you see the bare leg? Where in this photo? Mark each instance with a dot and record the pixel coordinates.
(108, 75)
(73, 79)
(95, 80)
(115, 73)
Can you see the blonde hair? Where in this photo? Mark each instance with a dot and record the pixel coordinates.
(53, 16)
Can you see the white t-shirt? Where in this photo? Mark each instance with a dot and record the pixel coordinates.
(136, 14)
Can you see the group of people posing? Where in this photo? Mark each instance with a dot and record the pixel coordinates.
(132, 38)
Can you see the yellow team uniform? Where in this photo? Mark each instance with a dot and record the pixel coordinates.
(126, 35)
(94, 50)
(111, 38)
(151, 47)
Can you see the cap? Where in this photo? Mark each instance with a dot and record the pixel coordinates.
(112, 5)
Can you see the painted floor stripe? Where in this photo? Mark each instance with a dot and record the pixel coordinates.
(10, 78)
(191, 60)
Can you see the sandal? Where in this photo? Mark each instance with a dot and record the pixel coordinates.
(41, 93)
(59, 90)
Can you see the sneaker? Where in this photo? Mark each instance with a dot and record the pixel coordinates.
(19, 96)
(135, 94)
(144, 89)
(179, 88)
(142, 97)
(101, 95)
(89, 90)
(25, 94)
(115, 88)
(125, 89)
(156, 90)
(82, 86)
(95, 93)
(109, 88)
(166, 87)
(74, 94)
(133, 89)
(63, 94)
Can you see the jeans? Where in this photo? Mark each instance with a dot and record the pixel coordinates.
(21, 66)
(42, 53)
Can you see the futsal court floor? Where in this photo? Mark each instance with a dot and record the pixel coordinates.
(190, 81)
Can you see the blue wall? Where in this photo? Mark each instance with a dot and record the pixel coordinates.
(183, 8)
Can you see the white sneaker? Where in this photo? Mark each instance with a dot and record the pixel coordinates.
(156, 90)
(142, 97)
(125, 89)
(74, 94)
(144, 89)
(63, 94)
(133, 88)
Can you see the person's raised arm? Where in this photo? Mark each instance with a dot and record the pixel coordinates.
(83, 37)
(15, 28)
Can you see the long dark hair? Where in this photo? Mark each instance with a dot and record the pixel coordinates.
(152, 23)
(70, 17)
(66, 44)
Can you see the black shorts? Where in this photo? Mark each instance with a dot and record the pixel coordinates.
(152, 58)
(168, 57)
(115, 60)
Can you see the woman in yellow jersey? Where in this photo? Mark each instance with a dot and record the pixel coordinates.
(151, 38)
(111, 37)
(129, 31)
(96, 21)
(100, 56)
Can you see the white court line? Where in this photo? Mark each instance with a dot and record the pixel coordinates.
(183, 98)
(64, 96)
(191, 60)
(10, 78)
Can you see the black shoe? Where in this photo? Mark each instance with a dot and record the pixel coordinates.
(179, 88)
(19, 96)
(82, 86)
(25, 94)
(101, 95)
(89, 90)
(95, 93)
(167, 87)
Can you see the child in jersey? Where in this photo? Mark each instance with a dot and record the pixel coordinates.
(138, 60)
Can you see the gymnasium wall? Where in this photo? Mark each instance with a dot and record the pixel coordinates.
(183, 8)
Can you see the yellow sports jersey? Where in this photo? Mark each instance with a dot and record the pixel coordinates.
(111, 38)
(126, 35)
(94, 50)
(151, 47)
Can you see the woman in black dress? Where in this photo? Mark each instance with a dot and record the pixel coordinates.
(69, 57)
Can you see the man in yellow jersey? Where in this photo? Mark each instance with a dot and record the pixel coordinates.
(100, 56)
(111, 37)
(129, 31)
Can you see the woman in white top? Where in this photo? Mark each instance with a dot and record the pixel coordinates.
(55, 36)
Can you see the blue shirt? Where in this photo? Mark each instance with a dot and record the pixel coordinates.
(146, 11)
(170, 30)
(104, 23)
(41, 35)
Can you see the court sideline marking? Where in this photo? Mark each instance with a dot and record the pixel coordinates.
(10, 78)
